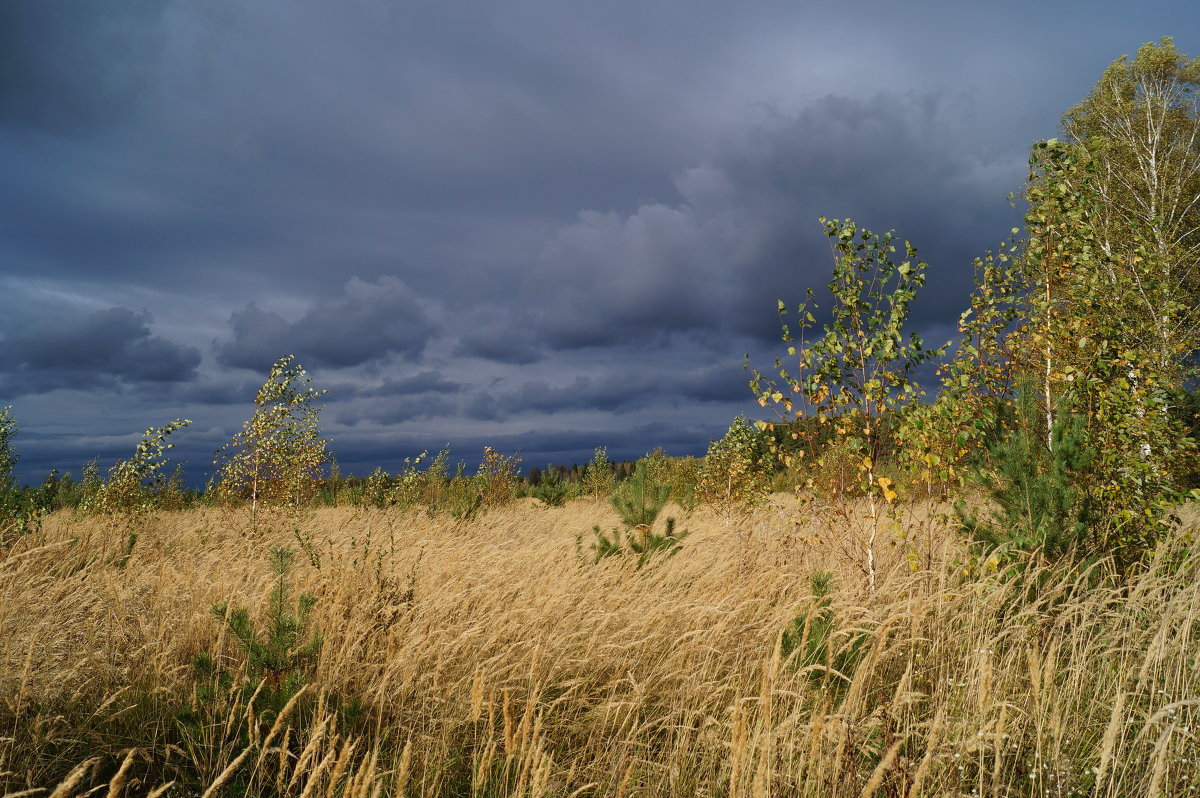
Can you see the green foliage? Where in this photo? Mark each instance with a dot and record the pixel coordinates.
(639, 499)
(173, 494)
(276, 459)
(376, 491)
(498, 477)
(1086, 339)
(135, 485)
(810, 642)
(936, 438)
(1138, 129)
(551, 490)
(91, 482)
(1037, 504)
(599, 479)
(640, 542)
(462, 498)
(8, 455)
(409, 487)
(333, 488)
(862, 366)
(737, 469)
(682, 475)
(281, 656)
(854, 377)
(19, 513)
(247, 704)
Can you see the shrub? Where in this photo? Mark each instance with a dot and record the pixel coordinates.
(809, 643)
(738, 468)
(134, 485)
(376, 490)
(639, 499)
(1037, 502)
(640, 541)
(681, 475)
(276, 459)
(599, 479)
(497, 476)
(551, 490)
(281, 657)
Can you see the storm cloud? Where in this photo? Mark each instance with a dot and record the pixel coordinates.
(367, 322)
(534, 225)
(108, 348)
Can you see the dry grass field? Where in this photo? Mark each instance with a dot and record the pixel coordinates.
(488, 658)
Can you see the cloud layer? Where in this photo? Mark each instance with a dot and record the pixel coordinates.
(533, 225)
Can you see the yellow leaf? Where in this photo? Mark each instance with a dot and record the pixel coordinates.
(866, 461)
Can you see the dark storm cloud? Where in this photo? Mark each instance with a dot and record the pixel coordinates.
(745, 232)
(500, 343)
(67, 67)
(367, 322)
(397, 410)
(428, 381)
(423, 395)
(625, 389)
(104, 349)
(567, 222)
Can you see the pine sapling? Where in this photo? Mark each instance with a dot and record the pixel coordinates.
(1037, 503)
(639, 499)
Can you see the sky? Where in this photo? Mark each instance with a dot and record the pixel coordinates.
(538, 225)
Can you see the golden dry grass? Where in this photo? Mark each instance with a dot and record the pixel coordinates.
(491, 660)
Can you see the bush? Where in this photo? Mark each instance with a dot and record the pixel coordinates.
(599, 479)
(135, 486)
(497, 476)
(738, 469)
(809, 643)
(280, 658)
(551, 489)
(1037, 504)
(640, 541)
(639, 499)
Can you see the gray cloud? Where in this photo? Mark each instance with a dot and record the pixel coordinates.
(744, 231)
(72, 67)
(501, 343)
(625, 389)
(566, 224)
(366, 323)
(107, 348)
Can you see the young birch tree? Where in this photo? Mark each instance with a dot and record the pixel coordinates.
(277, 458)
(1140, 128)
(860, 372)
(1093, 346)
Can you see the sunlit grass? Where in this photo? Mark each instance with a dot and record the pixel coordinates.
(487, 657)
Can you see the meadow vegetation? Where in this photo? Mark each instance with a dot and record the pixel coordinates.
(992, 589)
